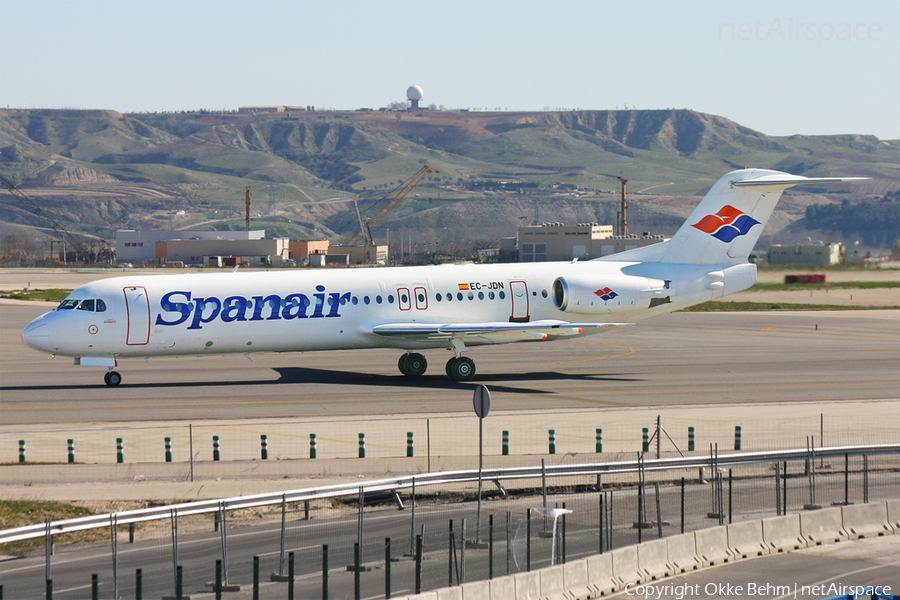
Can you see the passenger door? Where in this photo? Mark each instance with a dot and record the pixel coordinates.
(137, 306)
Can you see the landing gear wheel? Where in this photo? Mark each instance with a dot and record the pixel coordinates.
(461, 369)
(112, 379)
(412, 365)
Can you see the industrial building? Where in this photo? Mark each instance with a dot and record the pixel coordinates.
(560, 242)
(814, 253)
(210, 253)
(139, 246)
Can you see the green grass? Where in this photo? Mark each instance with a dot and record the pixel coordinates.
(839, 285)
(46, 295)
(714, 306)
(21, 513)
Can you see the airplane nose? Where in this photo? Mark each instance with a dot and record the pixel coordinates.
(36, 335)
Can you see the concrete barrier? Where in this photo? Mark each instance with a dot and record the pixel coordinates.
(893, 508)
(503, 587)
(476, 590)
(782, 534)
(552, 583)
(712, 546)
(745, 540)
(823, 526)
(528, 586)
(625, 567)
(681, 553)
(450, 593)
(866, 520)
(600, 574)
(575, 580)
(653, 558)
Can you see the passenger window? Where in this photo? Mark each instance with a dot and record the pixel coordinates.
(449, 296)
(481, 295)
(491, 295)
(437, 297)
(354, 300)
(87, 305)
(378, 299)
(403, 298)
(459, 295)
(502, 295)
(390, 298)
(421, 298)
(471, 296)
(365, 299)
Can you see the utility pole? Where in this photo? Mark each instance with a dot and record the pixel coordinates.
(248, 207)
(624, 229)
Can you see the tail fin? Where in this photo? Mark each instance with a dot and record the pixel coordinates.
(728, 221)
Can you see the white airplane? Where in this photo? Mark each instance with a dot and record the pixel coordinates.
(413, 308)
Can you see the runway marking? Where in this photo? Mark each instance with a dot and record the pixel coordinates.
(776, 328)
(572, 362)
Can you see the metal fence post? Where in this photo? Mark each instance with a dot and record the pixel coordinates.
(138, 584)
(418, 564)
(325, 572)
(255, 578)
(387, 567)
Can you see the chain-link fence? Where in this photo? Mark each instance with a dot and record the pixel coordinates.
(392, 540)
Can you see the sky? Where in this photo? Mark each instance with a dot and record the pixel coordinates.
(782, 68)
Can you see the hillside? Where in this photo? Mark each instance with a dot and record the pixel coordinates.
(96, 171)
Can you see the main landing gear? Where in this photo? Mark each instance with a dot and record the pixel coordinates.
(112, 378)
(459, 368)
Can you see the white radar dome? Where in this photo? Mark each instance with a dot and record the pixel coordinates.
(414, 93)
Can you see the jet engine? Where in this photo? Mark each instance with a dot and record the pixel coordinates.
(602, 294)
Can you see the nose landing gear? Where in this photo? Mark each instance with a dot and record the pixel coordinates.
(112, 378)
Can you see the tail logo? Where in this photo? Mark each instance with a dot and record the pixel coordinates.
(606, 294)
(726, 224)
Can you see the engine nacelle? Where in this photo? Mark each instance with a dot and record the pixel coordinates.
(602, 294)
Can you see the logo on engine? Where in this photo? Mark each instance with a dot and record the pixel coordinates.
(726, 224)
(606, 294)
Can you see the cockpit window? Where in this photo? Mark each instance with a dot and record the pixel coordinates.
(68, 304)
(90, 304)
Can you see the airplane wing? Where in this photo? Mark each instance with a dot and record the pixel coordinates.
(499, 331)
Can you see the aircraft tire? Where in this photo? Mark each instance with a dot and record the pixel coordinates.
(412, 365)
(112, 378)
(461, 369)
